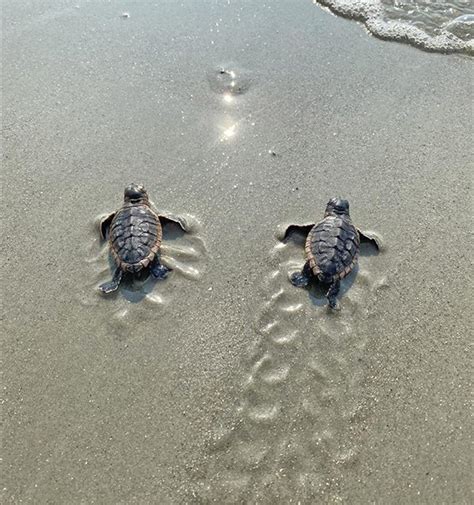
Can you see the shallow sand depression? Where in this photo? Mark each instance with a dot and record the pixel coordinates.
(223, 383)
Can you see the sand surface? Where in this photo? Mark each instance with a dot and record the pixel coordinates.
(224, 383)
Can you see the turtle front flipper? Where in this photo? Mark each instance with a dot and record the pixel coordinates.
(158, 270)
(104, 225)
(109, 287)
(371, 238)
(289, 230)
(167, 218)
(303, 278)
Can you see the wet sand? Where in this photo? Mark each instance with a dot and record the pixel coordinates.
(224, 383)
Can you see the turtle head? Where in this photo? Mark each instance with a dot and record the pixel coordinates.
(135, 193)
(337, 206)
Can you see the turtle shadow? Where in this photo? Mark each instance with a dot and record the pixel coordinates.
(367, 248)
(317, 290)
(134, 288)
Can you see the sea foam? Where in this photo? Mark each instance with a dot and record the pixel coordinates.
(430, 25)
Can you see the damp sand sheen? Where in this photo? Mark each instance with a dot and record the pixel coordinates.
(223, 383)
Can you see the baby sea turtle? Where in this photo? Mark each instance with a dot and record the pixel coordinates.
(331, 249)
(135, 233)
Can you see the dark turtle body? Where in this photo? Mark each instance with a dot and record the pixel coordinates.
(332, 246)
(332, 249)
(135, 234)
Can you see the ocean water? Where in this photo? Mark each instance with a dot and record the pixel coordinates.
(429, 24)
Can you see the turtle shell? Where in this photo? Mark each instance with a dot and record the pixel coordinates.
(332, 248)
(135, 236)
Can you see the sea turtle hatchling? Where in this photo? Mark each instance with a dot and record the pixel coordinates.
(134, 233)
(331, 249)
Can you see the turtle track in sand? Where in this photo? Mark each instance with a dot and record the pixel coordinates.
(301, 396)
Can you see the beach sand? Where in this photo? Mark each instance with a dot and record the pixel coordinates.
(225, 384)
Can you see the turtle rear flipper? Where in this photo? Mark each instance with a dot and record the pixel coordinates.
(104, 225)
(303, 278)
(158, 270)
(332, 294)
(109, 287)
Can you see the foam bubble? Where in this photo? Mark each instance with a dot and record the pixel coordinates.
(462, 27)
